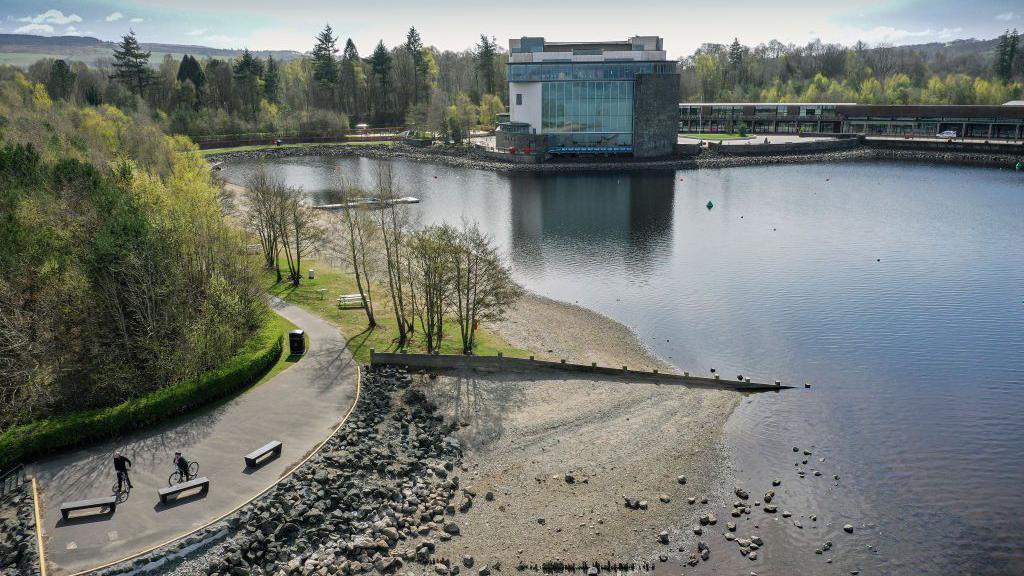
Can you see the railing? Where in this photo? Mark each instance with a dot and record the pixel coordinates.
(11, 480)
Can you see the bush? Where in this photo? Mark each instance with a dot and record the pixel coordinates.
(245, 368)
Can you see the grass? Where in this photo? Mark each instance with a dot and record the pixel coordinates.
(715, 136)
(383, 338)
(213, 151)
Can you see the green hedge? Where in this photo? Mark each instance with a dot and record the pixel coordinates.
(245, 368)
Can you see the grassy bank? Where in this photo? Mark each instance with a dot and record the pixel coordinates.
(213, 151)
(715, 136)
(256, 362)
(353, 321)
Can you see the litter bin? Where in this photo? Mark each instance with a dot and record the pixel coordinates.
(297, 342)
(312, 273)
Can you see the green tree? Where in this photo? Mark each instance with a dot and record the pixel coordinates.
(420, 69)
(131, 64)
(486, 54)
(351, 78)
(325, 67)
(247, 72)
(272, 80)
(380, 66)
(62, 80)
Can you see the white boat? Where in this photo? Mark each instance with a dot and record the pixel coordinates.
(368, 203)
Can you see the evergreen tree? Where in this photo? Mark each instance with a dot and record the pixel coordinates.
(414, 45)
(325, 68)
(350, 78)
(272, 80)
(190, 71)
(380, 64)
(486, 55)
(247, 72)
(131, 64)
(62, 80)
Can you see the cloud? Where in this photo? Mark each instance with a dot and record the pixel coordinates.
(52, 16)
(198, 32)
(34, 29)
(136, 20)
(72, 31)
(1007, 16)
(114, 17)
(888, 34)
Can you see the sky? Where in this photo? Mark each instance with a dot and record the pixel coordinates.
(457, 24)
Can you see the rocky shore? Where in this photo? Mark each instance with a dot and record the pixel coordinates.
(18, 553)
(465, 157)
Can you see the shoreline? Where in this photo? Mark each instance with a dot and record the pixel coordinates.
(469, 158)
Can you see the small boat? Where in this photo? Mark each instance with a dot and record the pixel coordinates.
(368, 203)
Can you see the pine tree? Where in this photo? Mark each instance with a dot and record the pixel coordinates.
(380, 64)
(247, 71)
(272, 80)
(486, 53)
(131, 64)
(414, 45)
(325, 68)
(62, 80)
(189, 70)
(350, 78)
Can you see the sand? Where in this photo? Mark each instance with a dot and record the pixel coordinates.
(522, 433)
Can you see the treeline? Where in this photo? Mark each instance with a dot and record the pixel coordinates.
(818, 72)
(327, 92)
(430, 275)
(120, 275)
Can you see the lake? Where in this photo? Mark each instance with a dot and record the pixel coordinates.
(897, 290)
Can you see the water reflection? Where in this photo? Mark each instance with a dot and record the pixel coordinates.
(627, 218)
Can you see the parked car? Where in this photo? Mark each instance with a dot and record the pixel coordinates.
(946, 134)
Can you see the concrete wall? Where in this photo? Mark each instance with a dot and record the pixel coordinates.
(655, 111)
(529, 111)
(688, 149)
(755, 149)
(497, 363)
(943, 146)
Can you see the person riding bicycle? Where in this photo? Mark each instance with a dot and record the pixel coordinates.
(182, 464)
(121, 466)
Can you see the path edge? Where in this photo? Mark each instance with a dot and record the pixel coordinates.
(283, 477)
(40, 549)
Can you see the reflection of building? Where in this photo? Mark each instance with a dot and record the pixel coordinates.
(624, 217)
(591, 97)
(1006, 121)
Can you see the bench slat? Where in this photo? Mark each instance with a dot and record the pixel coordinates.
(104, 502)
(272, 446)
(203, 482)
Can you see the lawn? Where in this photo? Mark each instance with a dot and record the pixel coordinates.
(715, 136)
(353, 321)
(281, 326)
(213, 151)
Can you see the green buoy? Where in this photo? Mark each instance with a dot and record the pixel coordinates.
(710, 205)
(1020, 166)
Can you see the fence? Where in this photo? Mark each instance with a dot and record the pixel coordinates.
(11, 480)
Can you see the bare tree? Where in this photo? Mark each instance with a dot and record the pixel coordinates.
(431, 252)
(263, 197)
(299, 231)
(393, 220)
(484, 288)
(357, 242)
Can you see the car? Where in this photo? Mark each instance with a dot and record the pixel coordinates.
(946, 134)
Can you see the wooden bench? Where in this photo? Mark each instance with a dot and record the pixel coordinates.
(105, 502)
(203, 483)
(270, 447)
(351, 301)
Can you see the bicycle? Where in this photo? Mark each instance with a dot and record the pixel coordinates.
(177, 477)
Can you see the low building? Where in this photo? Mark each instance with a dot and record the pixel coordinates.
(581, 98)
(974, 121)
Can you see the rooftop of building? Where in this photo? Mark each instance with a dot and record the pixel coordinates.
(535, 49)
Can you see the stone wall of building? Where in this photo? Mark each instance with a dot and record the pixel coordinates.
(655, 114)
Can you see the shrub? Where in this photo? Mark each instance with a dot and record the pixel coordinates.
(37, 438)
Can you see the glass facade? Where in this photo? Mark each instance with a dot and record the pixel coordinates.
(587, 107)
(606, 70)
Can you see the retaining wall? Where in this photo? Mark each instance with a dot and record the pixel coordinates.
(943, 146)
(758, 149)
(499, 363)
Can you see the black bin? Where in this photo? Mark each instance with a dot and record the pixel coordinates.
(297, 342)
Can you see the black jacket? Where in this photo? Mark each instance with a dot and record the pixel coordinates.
(119, 463)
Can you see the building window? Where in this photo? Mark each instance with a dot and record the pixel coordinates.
(519, 99)
(587, 107)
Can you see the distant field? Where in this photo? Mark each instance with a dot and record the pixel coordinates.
(22, 59)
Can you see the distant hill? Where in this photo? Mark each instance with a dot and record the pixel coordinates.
(23, 49)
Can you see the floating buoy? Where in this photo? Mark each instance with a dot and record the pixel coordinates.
(1020, 166)
(710, 205)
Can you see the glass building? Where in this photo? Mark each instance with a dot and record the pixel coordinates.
(590, 97)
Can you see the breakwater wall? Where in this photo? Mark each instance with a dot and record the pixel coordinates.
(503, 364)
(756, 149)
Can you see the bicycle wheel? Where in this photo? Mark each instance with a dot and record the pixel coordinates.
(193, 468)
(174, 478)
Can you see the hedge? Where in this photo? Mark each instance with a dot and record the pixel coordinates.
(30, 440)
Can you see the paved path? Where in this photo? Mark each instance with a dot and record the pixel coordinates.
(301, 406)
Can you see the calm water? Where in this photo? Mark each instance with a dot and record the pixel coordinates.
(897, 290)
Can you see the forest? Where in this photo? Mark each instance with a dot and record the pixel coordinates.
(961, 72)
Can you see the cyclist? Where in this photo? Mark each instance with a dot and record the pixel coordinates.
(182, 465)
(121, 466)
